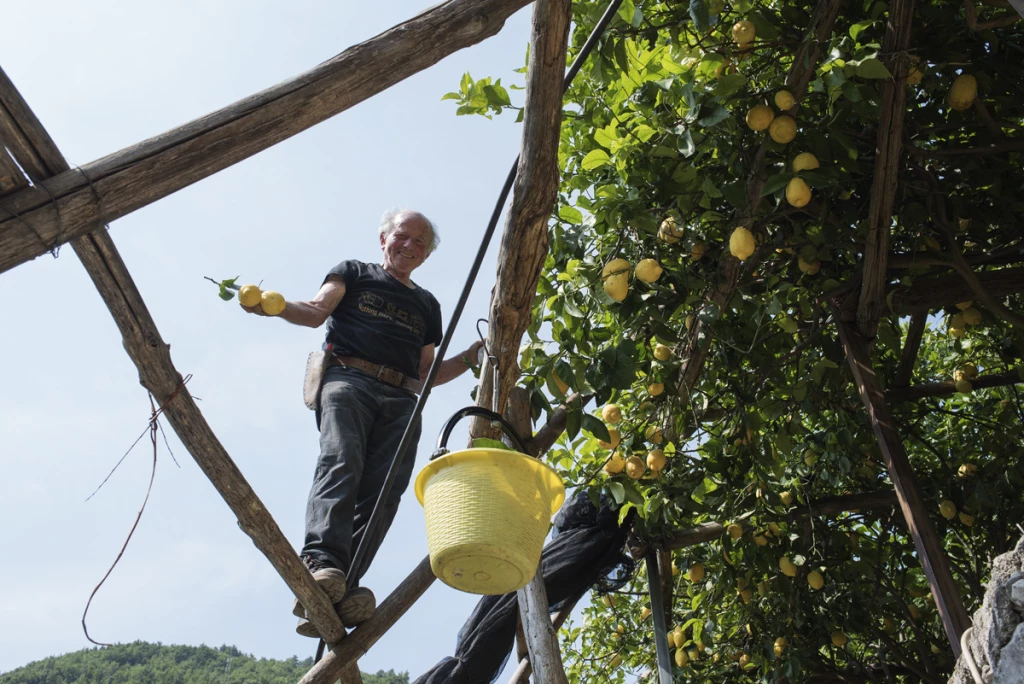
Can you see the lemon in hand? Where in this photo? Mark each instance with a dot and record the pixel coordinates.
(273, 303)
(249, 295)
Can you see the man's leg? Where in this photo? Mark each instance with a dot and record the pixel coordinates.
(350, 402)
(385, 436)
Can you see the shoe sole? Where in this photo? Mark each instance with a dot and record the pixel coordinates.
(357, 608)
(305, 628)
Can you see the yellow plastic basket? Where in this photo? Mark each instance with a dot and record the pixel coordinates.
(488, 512)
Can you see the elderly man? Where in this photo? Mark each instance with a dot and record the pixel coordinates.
(381, 329)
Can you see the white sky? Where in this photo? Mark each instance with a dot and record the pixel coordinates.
(102, 76)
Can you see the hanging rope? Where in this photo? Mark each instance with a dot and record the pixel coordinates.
(474, 270)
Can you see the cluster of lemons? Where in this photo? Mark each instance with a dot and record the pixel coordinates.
(271, 302)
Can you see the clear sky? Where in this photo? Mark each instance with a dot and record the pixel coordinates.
(104, 75)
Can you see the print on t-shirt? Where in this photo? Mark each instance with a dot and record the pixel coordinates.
(370, 303)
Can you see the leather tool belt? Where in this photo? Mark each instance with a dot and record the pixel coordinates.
(385, 374)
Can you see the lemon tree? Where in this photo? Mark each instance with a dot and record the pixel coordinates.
(733, 400)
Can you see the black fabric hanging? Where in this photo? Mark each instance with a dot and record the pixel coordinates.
(586, 550)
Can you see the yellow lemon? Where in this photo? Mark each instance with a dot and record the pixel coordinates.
(966, 518)
(741, 243)
(614, 439)
(680, 657)
(815, 579)
(787, 567)
(608, 600)
(615, 277)
(615, 661)
(963, 306)
(957, 332)
(635, 467)
(611, 413)
(774, 528)
(967, 469)
(935, 649)
(963, 92)
(914, 74)
(760, 117)
(669, 232)
(662, 352)
(782, 129)
(654, 434)
(747, 595)
(698, 250)
(784, 100)
(798, 193)
(808, 267)
(735, 530)
(743, 32)
(648, 270)
(695, 573)
(948, 509)
(810, 457)
(272, 302)
(615, 464)
(645, 613)
(804, 161)
(760, 540)
(655, 389)
(787, 498)
(675, 569)
(972, 316)
(969, 370)
(744, 661)
(838, 639)
(656, 459)
(249, 295)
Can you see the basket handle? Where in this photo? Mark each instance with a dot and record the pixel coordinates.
(446, 430)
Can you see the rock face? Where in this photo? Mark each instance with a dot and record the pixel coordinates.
(997, 642)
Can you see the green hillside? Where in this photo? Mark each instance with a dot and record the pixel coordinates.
(144, 663)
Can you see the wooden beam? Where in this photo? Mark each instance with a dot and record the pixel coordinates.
(523, 671)
(125, 181)
(929, 294)
(659, 615)
(359, 641)
(940, 389)
(11, 177)
(908, 355)
(541, 636)
(805, 62)
(524, 241)
(887, 165)
(151, 356)
(915, 512)
(822, 507)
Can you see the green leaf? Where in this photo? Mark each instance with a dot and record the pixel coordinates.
(699, 14)
(570, 214)
(596, 427)
(686, 146)
(859, 27)
(872, 68)
(776, 183)
(633, 494)
(595, 159)
(617, 491)
(729, 84)
(573, 422)
(226, 294)
(712, 114)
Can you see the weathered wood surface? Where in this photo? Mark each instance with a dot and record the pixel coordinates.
(541, 636)
(946, 388)
(11, 177)
(887, 166)
(359, 641)
(911, 345)
(805, 62)
(524, 670)
(659, 575)
(928, 294)
(139, 175)
(524, 241)
(157, 374)
(915, 512)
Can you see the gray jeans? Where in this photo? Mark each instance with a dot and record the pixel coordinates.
(361, 422)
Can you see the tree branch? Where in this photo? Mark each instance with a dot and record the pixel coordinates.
(908, 355)
(946, 388)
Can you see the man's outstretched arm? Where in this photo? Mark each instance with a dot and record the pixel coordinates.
(313, 313)
(450, 368)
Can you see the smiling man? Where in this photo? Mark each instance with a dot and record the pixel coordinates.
(382, 329)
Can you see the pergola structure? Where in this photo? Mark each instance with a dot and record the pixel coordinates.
(45, 203)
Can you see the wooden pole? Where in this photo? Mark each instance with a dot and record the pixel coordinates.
(34, 220)
(523, 671)
(661, 646)
(938, 389)
(926, 540)
(23, 134)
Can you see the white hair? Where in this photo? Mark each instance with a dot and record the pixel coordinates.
(389, 221)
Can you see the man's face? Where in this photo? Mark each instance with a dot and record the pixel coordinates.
(407, 246)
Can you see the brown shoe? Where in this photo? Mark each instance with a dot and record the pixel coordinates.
(331, 580)
(305, 628)
(357, 607)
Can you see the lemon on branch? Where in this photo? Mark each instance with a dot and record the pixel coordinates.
(272, 302)
(782, 129)
(804, 161)
(648, 270)
(741, 243)
(743, 32)
(798, 193)
(963, 92)
(669, 232)
(656, 460)
(615, 464)
(615, 279)
(760, 117)
(249, 295)
(662, 352)
(611, 413)
(784, 100)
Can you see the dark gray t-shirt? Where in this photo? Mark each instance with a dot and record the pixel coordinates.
(381, 320)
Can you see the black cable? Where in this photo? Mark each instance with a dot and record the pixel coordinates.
(485, 242)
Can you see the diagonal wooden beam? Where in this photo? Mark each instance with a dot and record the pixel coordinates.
(11, 177)
(22, 132)
(928, 294)
(887, 166)
(911, 345)
(929, 547)
(75, 201)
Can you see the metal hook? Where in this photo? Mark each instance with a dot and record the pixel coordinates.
(493, 361)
